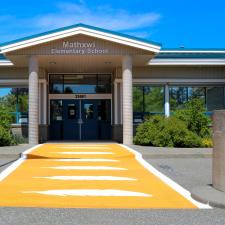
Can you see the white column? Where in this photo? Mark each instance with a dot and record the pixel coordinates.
(33, 101)
(115, 103)
(167, 101)
(45, 102)
(127, 100)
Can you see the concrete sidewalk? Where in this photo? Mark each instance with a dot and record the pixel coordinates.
(146, 151)
(13, 152)
(150, 152)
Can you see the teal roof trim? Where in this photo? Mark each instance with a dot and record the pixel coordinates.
(181, 55)
(2, 57)
(192, 49)
(84, 26)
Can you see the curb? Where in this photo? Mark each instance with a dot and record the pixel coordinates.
(10, 156)
(150, 152)
(169, 155)
(209, 195)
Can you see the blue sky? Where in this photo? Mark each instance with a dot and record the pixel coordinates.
(174, 23)
(4, 91)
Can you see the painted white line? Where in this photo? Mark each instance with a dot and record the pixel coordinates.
(84, 153)
(25, 153)
(84, 147)
(182, 191)
(91, 192)
(102, 178)
(11, 168)
(81, 145)
(85, 168)
(85, 160)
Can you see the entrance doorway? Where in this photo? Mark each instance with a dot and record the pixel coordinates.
(80, 119)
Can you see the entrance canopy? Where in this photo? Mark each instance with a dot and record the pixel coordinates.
(80, 29)
(78, 47)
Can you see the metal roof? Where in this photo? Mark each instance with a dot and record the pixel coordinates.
(84, 26)
(191, 55)
(2, 57)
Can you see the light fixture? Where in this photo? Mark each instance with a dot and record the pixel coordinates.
(52, 63)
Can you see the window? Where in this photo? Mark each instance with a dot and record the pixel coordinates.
(15, 101)
(80, 83)
(71, 111)
(56, 84)
(153, 99)
(89, 111)
(215, 98)
(104, 84)
(56, 110)
(212, 97)
(180, 95)
(104, 110)
(147, 100)
(138, 99)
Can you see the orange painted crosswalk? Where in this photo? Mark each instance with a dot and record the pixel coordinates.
(88, 176)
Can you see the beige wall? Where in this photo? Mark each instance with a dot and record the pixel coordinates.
(111, 48)
(8, 73)
(172, 72)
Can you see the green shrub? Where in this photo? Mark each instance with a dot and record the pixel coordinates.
(6, 137)
(5, 118)
(194, 117)
(166, 132)
(207, 143)
(19, 139)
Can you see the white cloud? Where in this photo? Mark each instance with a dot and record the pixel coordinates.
(102, 16)
(69, 13)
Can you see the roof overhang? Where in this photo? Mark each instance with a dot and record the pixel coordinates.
(187, 62)
(188, 57)
(4, 61)
(84, 30)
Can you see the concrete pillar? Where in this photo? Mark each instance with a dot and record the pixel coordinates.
(167, 101)
(127, 100)
(219, 150)
(33, 101)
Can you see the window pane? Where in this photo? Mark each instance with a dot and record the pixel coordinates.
(153, 99)
(56, 84)
(104, 84)
(138, 99)
(56, 110)
(89, 111)
(71, 111)
(215, 98)
(196, 92)
(178, 96)
(104, 110)
(15, 101)
(80, 84)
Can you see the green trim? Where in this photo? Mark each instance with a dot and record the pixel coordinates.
(2, 57)
(192, 49)
(84, 26)
(181, 55)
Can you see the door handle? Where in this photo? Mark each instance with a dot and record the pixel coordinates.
(80, 121)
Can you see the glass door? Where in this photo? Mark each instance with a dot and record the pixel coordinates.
(71, 117)
(89, 117)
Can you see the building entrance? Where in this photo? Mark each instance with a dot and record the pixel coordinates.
(80, 119)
